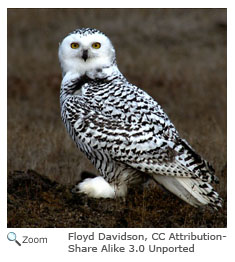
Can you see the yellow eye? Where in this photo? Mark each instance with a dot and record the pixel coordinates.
(74, 45)
(96, 45)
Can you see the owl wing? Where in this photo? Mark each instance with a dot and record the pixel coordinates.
(137, 145)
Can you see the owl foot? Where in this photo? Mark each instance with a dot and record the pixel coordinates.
(95, 187)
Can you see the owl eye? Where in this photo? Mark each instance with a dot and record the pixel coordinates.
(74, 45)
(96, 45)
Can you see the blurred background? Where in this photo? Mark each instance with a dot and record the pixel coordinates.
(177, 55)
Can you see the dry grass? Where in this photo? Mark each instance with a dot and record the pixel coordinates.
(36, 201)
(177, 55)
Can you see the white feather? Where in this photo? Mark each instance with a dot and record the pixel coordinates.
(96, 187)
(185, 188)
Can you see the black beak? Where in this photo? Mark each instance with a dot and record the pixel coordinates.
(85, 55)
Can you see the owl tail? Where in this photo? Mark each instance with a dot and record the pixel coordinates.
(193, 191)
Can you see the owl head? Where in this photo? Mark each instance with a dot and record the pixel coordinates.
(85, 50)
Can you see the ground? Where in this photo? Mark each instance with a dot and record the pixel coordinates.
(36, 201)
(177, 55)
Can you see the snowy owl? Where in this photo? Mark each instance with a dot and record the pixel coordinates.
(122, 130)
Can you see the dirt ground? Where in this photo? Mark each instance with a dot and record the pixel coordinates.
(177, 55)
(36, 201)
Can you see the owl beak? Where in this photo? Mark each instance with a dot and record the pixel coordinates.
(85, 55)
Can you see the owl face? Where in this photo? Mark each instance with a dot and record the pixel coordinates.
(85, 50)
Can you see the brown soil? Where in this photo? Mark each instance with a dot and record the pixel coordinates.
(36, 201)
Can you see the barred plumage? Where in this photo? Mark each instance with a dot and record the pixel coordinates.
(121, 129)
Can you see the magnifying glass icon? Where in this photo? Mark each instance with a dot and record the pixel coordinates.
(11, 236)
